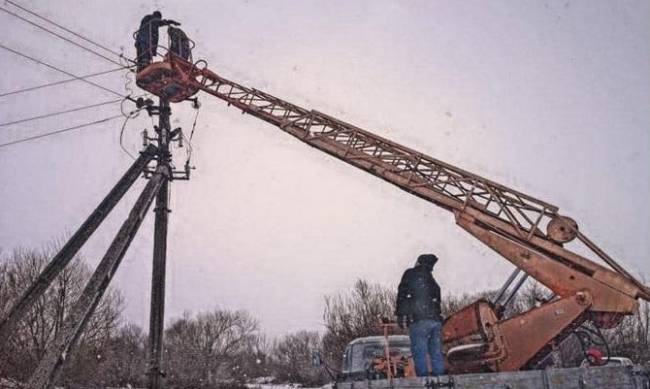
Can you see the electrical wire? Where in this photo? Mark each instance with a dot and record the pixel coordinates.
(59, 131)
(190, 149)
(31, 88)
(59, 36)
(68, 30)
(60, 70)
(60, 112)
(121, 137)
(127, 117)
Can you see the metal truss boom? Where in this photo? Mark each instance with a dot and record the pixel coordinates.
(518, 216)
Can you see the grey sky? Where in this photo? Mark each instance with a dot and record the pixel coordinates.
(550, 98)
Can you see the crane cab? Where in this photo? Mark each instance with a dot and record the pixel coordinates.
(170, 79)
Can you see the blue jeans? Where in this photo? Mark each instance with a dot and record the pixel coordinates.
(425, 340)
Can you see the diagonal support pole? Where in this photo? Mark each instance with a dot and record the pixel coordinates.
(72, 246)
(49, 367)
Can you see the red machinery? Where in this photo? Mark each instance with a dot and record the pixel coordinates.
(528, 232)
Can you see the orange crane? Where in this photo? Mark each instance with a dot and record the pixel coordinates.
(526, 231)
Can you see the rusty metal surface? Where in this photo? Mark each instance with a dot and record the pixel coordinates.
(163, 79)
(526, 334)
(561, 279)
(468, 321)
(562, 229)
(476, 324)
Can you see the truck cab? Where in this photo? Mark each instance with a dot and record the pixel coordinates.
(365, 358)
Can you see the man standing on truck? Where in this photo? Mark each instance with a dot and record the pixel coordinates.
(418, 308)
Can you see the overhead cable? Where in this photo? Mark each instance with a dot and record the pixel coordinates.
(68, 30)
(190, 148)
(60, 36)
(60, 70)
(60, 112)
(31, 88)
(59, 131)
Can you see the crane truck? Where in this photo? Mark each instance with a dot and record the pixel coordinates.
(530, 233)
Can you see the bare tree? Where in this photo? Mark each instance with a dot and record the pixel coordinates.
(39, 327)
(254, 360)
(292, 359)
(125, 357)
(354, 314)
(202, 351)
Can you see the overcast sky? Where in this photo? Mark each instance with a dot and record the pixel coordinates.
(549, 97)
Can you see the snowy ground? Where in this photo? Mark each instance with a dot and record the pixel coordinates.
(283, 386)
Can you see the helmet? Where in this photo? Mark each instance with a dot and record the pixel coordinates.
(427, 260)
(157, 14)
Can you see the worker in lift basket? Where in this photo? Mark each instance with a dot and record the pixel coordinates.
(179, 43)
(418, 308)
(146, 38)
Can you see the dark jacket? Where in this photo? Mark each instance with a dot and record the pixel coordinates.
(147, 34)
(418, 295)
(179, 43)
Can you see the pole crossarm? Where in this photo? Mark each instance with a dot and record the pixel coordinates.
(72, 246)
(80, 313)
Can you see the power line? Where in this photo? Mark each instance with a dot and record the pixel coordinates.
(61, 71)
(68, 30)
(59, 131)
(60, 82)
(60, 36)
(60, 112)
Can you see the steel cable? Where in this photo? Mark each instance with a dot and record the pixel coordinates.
(60, 70)
(59, 131)
(31, 88)
(68, 30)
(59, 36)
(60, 112)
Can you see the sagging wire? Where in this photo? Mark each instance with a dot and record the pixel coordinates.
(61, 70)
(127, 116)
(67, 80)
(76, 109)
(128, 77)
(58, 131)
(59, 36)
(189, 141)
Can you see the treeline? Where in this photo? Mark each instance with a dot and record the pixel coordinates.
(226, 348)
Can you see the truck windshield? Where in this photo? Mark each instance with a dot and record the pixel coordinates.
(363, 354)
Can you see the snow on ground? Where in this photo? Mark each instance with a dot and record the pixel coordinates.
(282, 386)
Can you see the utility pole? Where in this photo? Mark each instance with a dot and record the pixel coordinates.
(157, 311)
